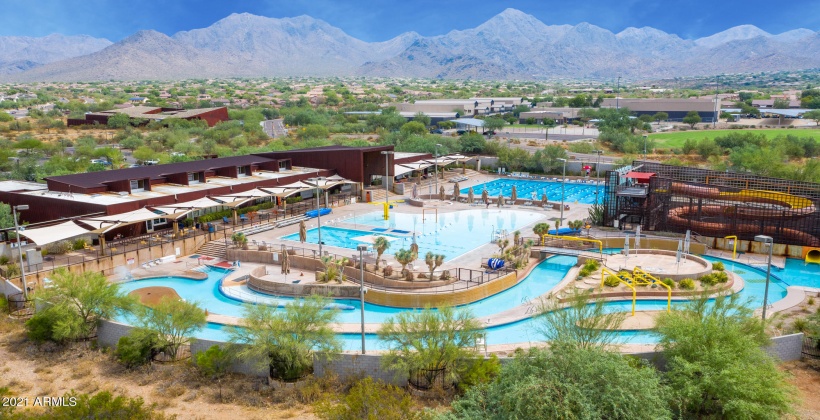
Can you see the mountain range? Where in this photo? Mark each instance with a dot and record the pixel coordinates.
(511, 45)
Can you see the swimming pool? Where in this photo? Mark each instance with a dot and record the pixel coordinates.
(573, 191)
(453, 234)
(540, 281)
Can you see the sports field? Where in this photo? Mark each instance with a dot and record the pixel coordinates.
(677, 138)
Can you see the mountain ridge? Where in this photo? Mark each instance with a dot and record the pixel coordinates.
(510, 45)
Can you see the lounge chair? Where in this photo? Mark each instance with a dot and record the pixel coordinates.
(527, 203)
(225, 220)
(243, 218)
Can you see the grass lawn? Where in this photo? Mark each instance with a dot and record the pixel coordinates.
(677, 138)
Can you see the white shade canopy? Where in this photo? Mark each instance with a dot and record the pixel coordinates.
(183, 208)
(103, 224)
(399, 170)
(237, 199)
(46, 235)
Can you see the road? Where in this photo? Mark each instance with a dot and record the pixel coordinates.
(274, 128)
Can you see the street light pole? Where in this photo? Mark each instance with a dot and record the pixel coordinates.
(618, 94)
(20, 248)
(437, 146)
(318, 212)
(563, 183)
(386, 172)
(361, 249)
(644, 147)
(598, 176)
(770, 242)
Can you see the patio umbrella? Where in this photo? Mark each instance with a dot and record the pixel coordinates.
(414, 247)
(285, 261)
(514, 194)
(456, 191)
(470, 195)
(543, 199)
(485, 196)
(441, 194)
(500, 199)
(415, 191)
(302, 232)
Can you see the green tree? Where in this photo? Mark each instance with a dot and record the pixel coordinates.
(581, 322)
(780, 104)
(6, 216)
(422, 118)
(404, 257)
(77, 302)
(313, 131)
(414, 127)
(174, 320)
(716, 363)
(433, 341)
(119, 120)
(286, 340)
(5, 117)
(472, 142)
(813, 115)
(547, 158)
(493, 123)
(567, 383)
(692, 118)
(380, 244)
(29, 144)
(660, 116)
(144, 153)
(726, 116)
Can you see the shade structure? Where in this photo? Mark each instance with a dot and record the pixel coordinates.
(514, 194)
(500, 200)
(399, 170)
(103, 224)
(456, 191)
(640, 177)
(55, 233)
(237, 199)
(441, 195)
(302, 232)
(470, 195)
(188, 206)
(285, 261)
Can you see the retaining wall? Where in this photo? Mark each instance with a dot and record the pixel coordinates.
(460, 297)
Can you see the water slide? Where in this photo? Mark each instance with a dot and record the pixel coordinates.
(812, 255)
(792, 207)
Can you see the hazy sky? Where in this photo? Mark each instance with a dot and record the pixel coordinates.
(378, 20)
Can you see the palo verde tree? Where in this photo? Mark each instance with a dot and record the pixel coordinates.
(285, 340)
(73, 306)
(174, 321)
(716, 363)
(433, 342)
(580, 323)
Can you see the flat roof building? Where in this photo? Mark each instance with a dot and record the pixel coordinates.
(211, 116)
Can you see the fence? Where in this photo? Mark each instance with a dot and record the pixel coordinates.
(811, 348)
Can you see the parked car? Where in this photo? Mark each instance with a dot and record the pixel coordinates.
(461, 132)
(151, 162)
(437, 131)
(101, 161)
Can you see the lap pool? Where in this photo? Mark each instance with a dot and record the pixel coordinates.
(583, 193)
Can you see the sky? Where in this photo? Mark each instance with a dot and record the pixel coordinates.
(379, 20)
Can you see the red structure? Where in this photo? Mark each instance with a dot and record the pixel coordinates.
(211, 116)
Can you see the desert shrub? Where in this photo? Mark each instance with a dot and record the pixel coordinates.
(612, 281)
(708, 280)
(721, 276)
(592, 265)
(669, 282)
(718, 266)
(59, 248)
(388, 271)
(136, 348)
(584, 272)
(369, 399)
(12, 270)
(687, 284)
(4, 260)
(102, 405)
(445, 275)
(79, 244)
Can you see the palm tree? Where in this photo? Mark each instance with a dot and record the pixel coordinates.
(404, 257)
(433, 261)
(541, 229)
(380, 244)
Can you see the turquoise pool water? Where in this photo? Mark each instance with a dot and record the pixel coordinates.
(573, 191)
(453, 234)
(541, 280)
